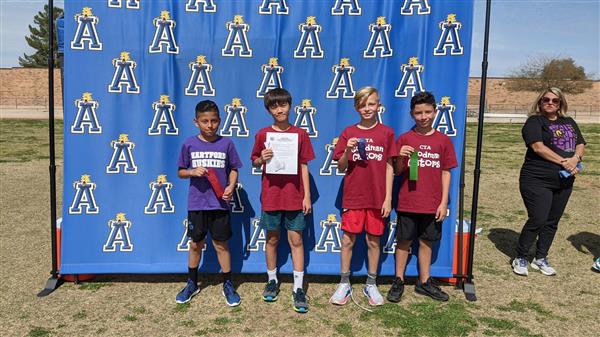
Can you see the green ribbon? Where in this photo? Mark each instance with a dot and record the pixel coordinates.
(414, 167)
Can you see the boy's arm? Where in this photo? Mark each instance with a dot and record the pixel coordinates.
(442, 209)
(343, 161)
(184, 173)
(265, 155)
(306, 203)
(260, 154)
(257, 162)
(386, 208)
(400, 165)
(232, 181)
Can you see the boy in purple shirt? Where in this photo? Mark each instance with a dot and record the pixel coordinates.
(211, 163)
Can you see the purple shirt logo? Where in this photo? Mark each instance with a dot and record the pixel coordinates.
(563, 137)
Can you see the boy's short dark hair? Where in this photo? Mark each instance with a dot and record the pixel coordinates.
(277, 96)
(423, 97)
(206, 106)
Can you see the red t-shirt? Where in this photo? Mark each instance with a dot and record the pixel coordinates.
(436, 153)
(364, 183)
(283, 192)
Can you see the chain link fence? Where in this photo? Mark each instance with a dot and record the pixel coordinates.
(588, 112)
(27, 103)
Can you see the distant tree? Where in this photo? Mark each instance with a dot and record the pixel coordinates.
(543, 72)
(38, 40)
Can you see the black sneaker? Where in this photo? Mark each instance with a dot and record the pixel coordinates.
(299, 300)
(431, 290)
(396, 290)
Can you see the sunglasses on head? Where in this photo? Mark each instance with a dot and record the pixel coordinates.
(547, 100)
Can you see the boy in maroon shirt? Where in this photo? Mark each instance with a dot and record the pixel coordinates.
(423, 196)
(365, 152)
(285, 198)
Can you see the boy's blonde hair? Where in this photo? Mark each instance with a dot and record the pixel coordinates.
(362, 94)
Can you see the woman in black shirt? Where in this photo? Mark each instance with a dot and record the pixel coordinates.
(555, 147)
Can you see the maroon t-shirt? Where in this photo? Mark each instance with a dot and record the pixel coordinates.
(364, 183)
(436, 153)
(283, 192)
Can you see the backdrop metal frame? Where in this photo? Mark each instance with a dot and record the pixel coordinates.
(465, 281)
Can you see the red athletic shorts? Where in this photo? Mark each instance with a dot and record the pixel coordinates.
(354, 221)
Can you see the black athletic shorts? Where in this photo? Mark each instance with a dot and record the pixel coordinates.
(414, 225)
(217, 221)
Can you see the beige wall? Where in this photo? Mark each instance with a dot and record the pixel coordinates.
(498, 95)
(28, 87)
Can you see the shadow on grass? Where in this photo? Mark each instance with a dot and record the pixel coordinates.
(206, 280)
(505, 240)
(106, 280)
(586, 242)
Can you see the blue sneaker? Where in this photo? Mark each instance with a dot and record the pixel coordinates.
(231, 296)
(271, 291)
(299, 299)
(186, 294)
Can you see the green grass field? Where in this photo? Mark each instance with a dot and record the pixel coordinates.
(132, 305)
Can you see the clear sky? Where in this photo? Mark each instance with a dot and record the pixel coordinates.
(519, 30)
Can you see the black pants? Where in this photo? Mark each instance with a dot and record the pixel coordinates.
(545, 203)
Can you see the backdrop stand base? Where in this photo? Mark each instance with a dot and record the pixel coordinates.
(469, 290)
(52, 284)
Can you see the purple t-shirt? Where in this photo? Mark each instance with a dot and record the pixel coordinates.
(220, 156)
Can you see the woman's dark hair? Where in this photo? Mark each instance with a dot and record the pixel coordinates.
(423, 97)
(277, 96)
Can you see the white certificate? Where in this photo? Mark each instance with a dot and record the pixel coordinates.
(285, 153)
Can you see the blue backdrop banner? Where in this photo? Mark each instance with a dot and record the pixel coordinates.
(135, 69)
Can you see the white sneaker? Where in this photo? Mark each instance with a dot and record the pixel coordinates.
(520, 266)
(342, 294)
(543, 266)
(596, 265)
(373, 294)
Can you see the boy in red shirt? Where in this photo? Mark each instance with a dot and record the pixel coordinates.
(285, 198)
(423, 196)
(365, 151)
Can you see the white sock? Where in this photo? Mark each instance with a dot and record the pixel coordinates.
(298, 278)
(272, 274)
